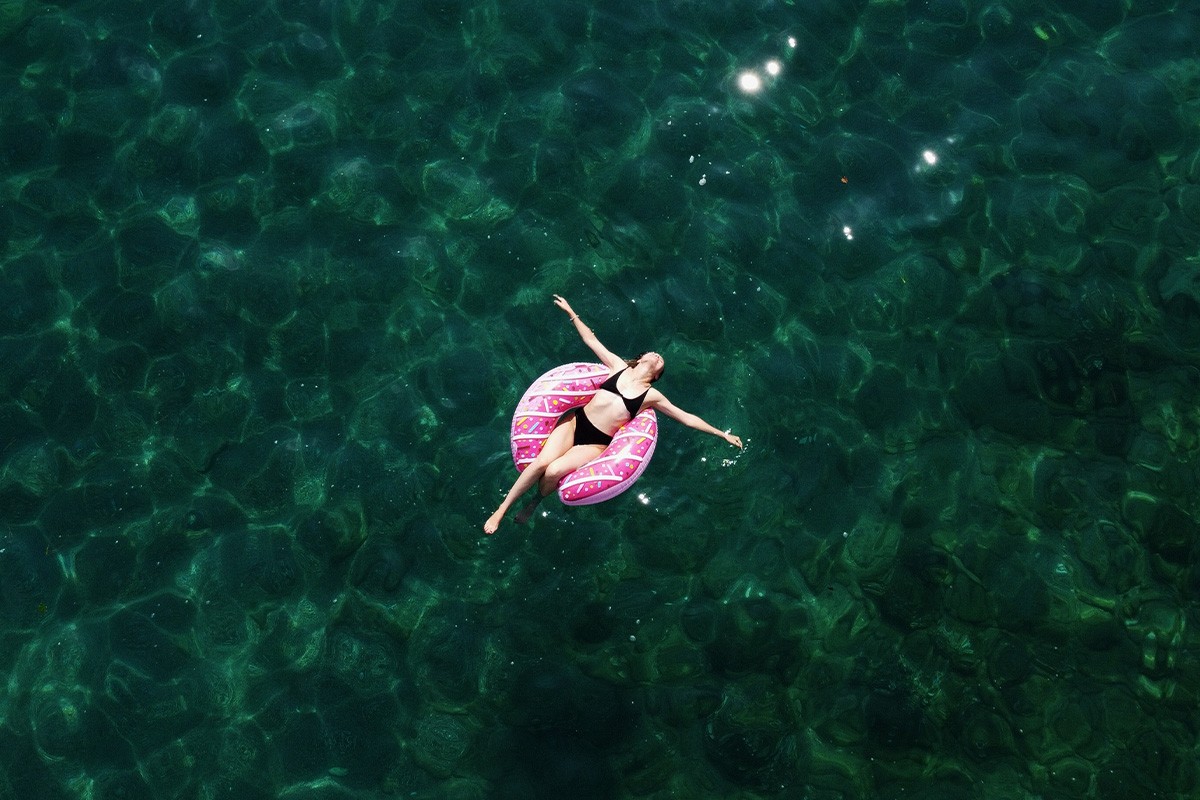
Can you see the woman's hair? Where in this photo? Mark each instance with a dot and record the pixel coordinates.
(633, 362)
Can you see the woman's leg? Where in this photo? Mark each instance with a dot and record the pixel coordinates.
(557, 443)
(558, 469)
(565, 464)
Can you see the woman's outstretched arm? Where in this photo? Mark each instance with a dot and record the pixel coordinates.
(659, 402)
(610, 359)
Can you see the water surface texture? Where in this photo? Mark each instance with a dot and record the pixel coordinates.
(274, 275)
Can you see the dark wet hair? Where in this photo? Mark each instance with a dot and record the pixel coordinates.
(633, 362)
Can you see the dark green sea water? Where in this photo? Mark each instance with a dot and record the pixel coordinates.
(273, 276)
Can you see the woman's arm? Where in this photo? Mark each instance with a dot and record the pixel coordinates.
(610, 359)
(659, 402)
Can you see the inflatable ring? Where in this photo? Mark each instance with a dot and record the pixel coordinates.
(608, 474)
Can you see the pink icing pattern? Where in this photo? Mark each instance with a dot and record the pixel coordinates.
(604, 477)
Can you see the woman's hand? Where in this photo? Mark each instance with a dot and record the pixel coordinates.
(733, 440)
(564, 305)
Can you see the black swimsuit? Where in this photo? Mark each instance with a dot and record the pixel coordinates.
(632, 404)
(586, 432)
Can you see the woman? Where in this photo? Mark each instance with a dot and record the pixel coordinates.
(582, 434)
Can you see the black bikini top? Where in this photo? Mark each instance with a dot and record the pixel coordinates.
(632, 404)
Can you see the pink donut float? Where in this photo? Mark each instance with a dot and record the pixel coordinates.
(608, 474)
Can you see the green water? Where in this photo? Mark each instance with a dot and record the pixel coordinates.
(274, 275)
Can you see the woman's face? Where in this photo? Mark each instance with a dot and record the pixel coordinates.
(654, 362)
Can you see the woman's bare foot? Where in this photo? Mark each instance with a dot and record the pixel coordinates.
(493, 523)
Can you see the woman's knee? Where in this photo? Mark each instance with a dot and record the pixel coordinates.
(552, 472)
(550, 479)
(542, 463)
(559, 469)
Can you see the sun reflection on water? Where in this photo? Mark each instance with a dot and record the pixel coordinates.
(754, 80)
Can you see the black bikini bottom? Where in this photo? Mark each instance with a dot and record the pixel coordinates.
(587, 433)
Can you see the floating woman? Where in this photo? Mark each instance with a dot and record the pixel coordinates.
(581, 435)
